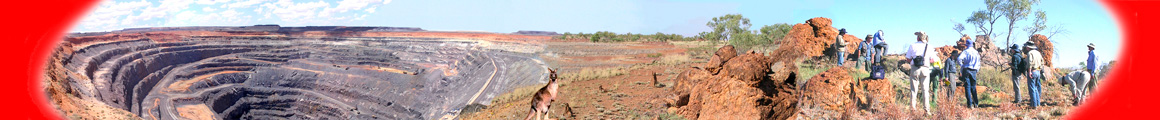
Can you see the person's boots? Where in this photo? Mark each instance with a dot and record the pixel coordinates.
(1017, 97)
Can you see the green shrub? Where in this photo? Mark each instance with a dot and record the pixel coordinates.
(606, 36)
(808, 70)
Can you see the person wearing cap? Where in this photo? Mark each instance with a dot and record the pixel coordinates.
(1017, 69)
(920, 54)
(1080, 82)
(1093, 64)
(1034, 72)
(863, 52)
(950, 70)
(840, 45)
(969, 61)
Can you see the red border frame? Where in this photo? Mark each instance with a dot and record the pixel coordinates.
(33, 28)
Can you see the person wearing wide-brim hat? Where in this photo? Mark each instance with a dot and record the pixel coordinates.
(840, 46)
(864, 52)
(1093, 65)
(921, 56)
(1029, 45)
(1034, 73)
(1018, 68)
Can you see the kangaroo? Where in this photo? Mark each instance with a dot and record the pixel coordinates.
(542, 99)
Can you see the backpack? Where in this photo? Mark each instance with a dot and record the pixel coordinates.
(918, 60)
(1019, 64)
(877, 72)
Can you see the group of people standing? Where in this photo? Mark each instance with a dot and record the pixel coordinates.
(869, 51)
(1029, 64)
(926, 66)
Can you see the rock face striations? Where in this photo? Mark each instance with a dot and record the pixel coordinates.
(263, 72)
(755, 85)
(738, 86)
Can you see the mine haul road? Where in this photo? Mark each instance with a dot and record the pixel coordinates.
(295, 77)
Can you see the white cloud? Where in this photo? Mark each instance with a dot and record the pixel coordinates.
(113, 15)
(370, 10)
(208, 9)
(109, 13)
(290, 11)
(347, 5)
(166, 8)
(244, 4)
(195, 18)
(319, 12)
(363, 17)
(211, 2)
(232, 16)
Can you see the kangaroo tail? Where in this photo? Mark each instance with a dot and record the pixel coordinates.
(531, 113)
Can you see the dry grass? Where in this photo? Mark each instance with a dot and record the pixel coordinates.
(858, 73)
(691, 43)
(597, 73)
(673, 59)
(654, 55)
(522, 93)
(765, 48)
(809, 69)
(951, 108)
(516, 94)
(997, 81)
(699, 49)
(512, 105)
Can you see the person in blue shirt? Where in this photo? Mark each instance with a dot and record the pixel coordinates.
(969, 61)
(879, 47)
(1093, 64)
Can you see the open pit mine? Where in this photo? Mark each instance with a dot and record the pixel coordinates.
(268, 71)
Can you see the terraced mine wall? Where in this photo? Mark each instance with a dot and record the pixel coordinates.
(291, 73)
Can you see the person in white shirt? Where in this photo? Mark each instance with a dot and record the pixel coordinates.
(920, 69)
(1034, 73)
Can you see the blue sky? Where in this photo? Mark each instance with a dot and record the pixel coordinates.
(1087, 21)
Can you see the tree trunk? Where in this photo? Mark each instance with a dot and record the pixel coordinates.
(1010, 27)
